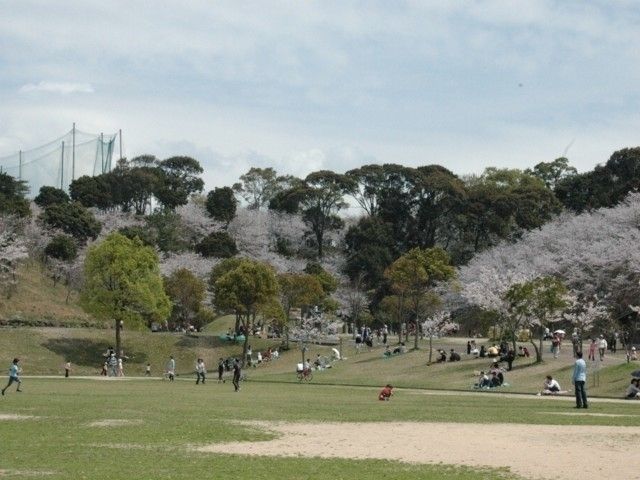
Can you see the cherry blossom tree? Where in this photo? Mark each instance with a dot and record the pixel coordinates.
(438, 324)
(594, 254)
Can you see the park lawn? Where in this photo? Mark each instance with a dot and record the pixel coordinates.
(167, 419)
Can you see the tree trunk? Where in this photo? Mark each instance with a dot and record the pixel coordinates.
(538, 354)
(430, 347)
(415, 343)
(245, 345)
(118, 339)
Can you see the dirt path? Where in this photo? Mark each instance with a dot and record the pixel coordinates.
(533, 451)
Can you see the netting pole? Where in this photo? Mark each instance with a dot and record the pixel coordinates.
(20, 165)
(62, 168)
(102, 151)
(120, 133)
(73, 152)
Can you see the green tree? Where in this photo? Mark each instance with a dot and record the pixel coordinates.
(247, 287)
(179, 178)
(414, 274)
(328, 282)
(552, 172)
(49, 196)
(168, 231)
(535, 304)
(186, 292)
(72, 218)
(123, 284)
(218, 245)
(370, 249)
(221, 205)
(12, 196)
(258, 186)
(93, 191)
(322, 199)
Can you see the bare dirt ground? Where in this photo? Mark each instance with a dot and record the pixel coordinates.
(532, 451)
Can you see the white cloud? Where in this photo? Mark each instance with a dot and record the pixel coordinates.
(63, 88)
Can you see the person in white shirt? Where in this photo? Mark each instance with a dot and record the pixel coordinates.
(602, 346)
(551, 386)
(201, 371)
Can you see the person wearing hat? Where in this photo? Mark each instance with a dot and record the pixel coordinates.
(14, 376)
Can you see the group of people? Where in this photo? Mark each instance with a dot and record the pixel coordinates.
(494, 378)
(442, 356)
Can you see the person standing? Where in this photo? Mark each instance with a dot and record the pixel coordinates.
(220, 370)
(113, 365)
(236, 374)
(579, 380)
(147, 371)
(67, 369)
(201, 371)
(14, 376)
(120, 368)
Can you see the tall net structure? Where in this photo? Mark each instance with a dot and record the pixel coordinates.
(62, 160)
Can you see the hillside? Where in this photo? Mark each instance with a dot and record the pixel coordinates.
(38, 302)
(43, 351)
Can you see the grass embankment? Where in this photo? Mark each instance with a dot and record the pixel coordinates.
(45, 350)
(37, 301)
(160, 422)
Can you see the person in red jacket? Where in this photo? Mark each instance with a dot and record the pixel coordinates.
(385, 393)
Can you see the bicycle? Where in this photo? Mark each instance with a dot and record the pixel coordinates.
(305, 375)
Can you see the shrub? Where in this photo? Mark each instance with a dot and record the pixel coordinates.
(218, 245)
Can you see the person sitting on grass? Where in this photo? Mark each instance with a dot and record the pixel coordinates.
(385, 393)
(454, 356)
(492, 351)
(497, 375)
(387, 351)
(550, 386)
(400, 349)
(483, 381)
(633, 390)
(442, 356)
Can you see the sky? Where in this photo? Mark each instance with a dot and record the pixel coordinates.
(308, 85)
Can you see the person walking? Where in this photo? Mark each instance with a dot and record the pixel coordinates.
(120, 368)
(171, 368)
(236, 374)
(602, 347)
(14, 376)
(201, 371)
(147, 370)
(67, 369)
(579, 380)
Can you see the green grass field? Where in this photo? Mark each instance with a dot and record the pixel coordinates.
(166, 420)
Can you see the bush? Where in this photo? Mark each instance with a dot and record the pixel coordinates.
(218, 245)
(73, 219)
(145, 235)
(62, 247)
(50, 196)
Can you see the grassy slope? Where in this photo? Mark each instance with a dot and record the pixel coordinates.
(44, 351)
(37, 298)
